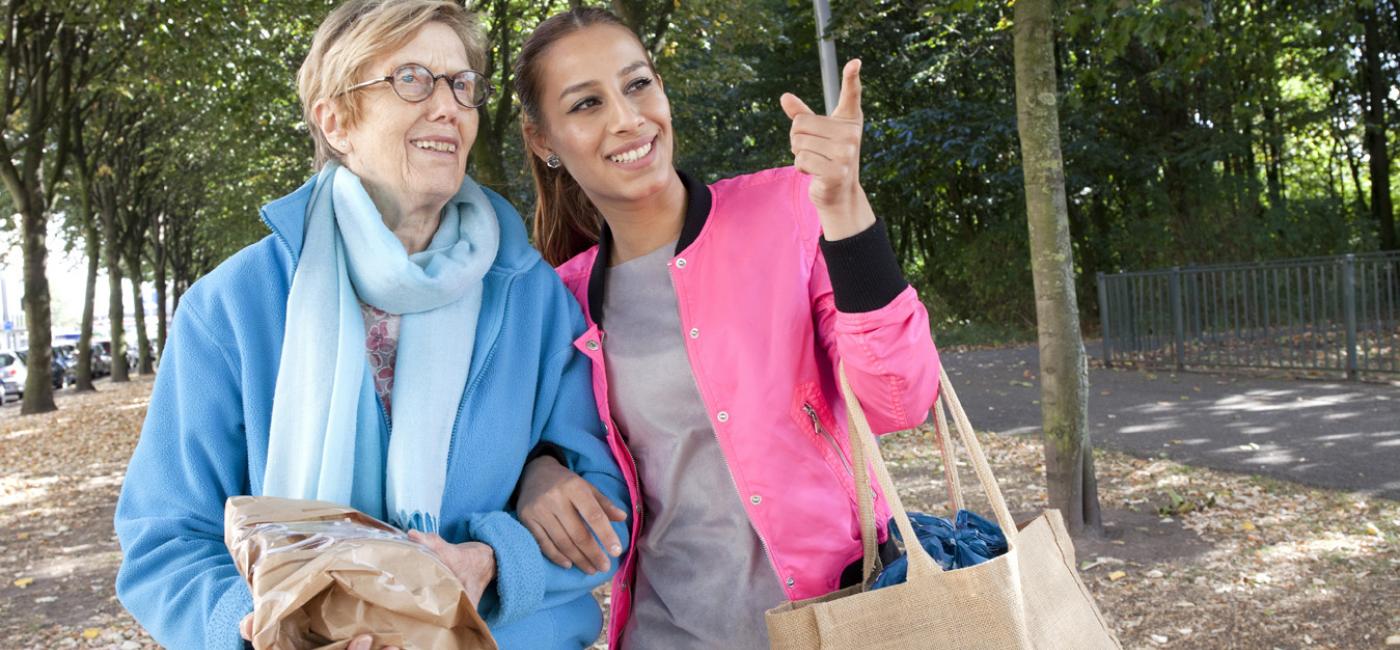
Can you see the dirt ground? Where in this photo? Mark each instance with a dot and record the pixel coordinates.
(1191, 558)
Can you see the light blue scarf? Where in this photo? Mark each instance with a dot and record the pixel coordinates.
(325, 441)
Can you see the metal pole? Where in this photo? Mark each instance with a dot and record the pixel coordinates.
(1178, 320)
(826, 49)
(1103, 321)
(1349, 310)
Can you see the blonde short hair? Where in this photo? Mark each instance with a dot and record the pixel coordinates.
(360, 31)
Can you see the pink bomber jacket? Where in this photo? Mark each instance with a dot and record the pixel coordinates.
(769, 308)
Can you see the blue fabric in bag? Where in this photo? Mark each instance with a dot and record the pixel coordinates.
(969, 540)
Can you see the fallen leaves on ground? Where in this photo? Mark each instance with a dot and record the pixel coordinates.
(1250, 563)
(61, 472)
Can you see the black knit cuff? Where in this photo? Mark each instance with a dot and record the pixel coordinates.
(865, 274)
(545, 448)
(548, 449)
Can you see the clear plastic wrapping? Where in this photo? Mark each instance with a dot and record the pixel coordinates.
(321, 574)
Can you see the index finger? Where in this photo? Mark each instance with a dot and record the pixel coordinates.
(848, 105)
(793, 106)
(599, 522)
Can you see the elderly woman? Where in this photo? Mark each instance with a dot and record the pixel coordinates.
(394, 345)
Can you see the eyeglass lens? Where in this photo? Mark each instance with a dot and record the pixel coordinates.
(415, 83)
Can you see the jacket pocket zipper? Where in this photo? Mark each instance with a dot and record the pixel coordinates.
(817, 426)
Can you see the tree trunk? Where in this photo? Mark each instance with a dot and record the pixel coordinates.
(84, 372)
(1253, 206)
(1339, 133)
(138, 310)
(1273, 146)
(176, 292)
(38, 392)
(1064, 378)
(649, 19)
(488, 157)
(1373, 78)
(115, 312)
(162, 319)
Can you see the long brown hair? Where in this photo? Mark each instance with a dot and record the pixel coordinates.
(566, 221)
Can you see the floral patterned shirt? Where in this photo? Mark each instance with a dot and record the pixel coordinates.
(382, 344)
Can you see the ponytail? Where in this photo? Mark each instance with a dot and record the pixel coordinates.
(566, 222)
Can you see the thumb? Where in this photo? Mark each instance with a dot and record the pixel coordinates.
(433, 542)
(793, 106)
(848, 105)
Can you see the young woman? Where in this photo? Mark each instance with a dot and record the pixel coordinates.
(717, 317)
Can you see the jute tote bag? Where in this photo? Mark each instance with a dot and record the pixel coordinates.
(1029, 598)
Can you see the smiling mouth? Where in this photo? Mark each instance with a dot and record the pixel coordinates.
(633, 155)
(435, 145)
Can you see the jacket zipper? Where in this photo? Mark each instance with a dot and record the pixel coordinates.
(388, 424)
(817, 426)
(637, 477)
(611, 429)
(291, 255)
(474, 380)
(638, 506)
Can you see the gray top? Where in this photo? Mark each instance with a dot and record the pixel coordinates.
(703, 577)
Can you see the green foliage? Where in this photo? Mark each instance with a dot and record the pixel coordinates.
(1193, 131)
(955, 333)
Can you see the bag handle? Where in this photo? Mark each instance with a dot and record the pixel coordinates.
(950, 465)
(864, 450)
(980, 466)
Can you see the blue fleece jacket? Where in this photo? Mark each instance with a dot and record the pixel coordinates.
(206, 433)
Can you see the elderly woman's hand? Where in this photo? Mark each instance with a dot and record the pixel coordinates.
(564, 512)
(473, 563)
(362, 642)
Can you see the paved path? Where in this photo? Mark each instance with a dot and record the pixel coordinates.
(1332, 434)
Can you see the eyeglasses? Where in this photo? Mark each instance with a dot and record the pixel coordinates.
(415, 83)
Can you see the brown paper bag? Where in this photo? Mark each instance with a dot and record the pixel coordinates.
(322, 574)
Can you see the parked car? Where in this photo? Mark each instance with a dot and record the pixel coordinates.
(57, 371)
(13, 372)
(66, 358)
(68, 354)
(101, 359)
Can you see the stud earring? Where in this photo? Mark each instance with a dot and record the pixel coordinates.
(553, 161)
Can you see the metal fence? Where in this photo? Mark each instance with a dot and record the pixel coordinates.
(1337, 314)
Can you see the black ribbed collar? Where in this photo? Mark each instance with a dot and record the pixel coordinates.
(697, 210)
